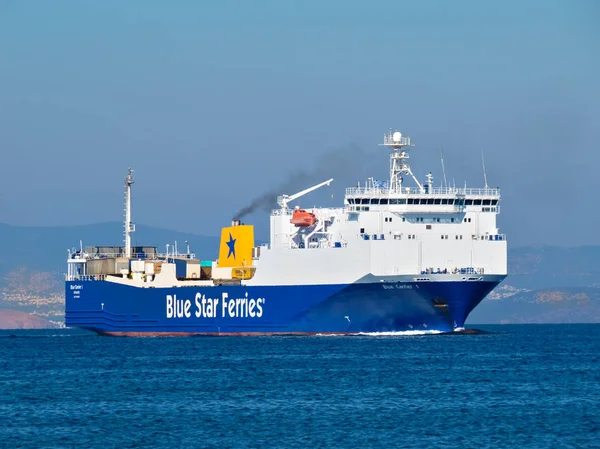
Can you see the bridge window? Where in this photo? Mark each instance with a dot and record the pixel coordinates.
(383, 201)
(486, 202)
(374, 201)
(410, 201)
(468, 202)
(423, 200)
(402, 201)
(494, 202)
(364, 201)
(437, 201)
(444, 201)
(429, 200)
(476, 202)
(450, 202)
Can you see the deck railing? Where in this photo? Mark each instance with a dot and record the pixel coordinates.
(85, 277)
(142, 256)
(449, 191)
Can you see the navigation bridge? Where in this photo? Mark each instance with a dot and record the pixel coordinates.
(376, 196)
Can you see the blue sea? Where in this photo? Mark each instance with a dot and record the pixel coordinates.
(514, 386)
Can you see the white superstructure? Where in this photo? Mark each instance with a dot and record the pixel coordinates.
(387, 229)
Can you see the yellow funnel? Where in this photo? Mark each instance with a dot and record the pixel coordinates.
(236, 246)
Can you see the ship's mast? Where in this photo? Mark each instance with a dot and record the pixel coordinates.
(129, 226)
(398, 160)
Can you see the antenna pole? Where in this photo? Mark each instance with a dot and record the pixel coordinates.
(484, 172)
(443, 168)
(129, 227)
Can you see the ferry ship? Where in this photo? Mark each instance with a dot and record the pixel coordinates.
(394, 257)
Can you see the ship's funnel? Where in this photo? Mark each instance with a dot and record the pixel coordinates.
(236, 246)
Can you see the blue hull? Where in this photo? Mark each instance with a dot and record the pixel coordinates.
(115, 309)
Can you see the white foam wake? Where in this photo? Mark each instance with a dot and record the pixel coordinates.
(385, 334)
(400, 333)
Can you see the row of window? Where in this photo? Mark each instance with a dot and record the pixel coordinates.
(434, 219)
(366, 209)
(444, 237)
(422, 201)
(421, 219)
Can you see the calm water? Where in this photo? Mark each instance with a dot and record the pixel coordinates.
(519, 386)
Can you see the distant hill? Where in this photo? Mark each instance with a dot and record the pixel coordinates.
(45, 248)
(553, 305)
(15, 319)
(545, 283)
(538, 267)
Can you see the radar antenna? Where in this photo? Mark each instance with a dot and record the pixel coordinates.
(398, 160)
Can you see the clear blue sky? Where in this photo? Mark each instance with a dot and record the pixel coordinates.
(214, 103)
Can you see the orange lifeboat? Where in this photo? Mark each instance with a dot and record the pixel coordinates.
(302, 218)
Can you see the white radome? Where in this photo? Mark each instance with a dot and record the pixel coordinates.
(397, 136)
